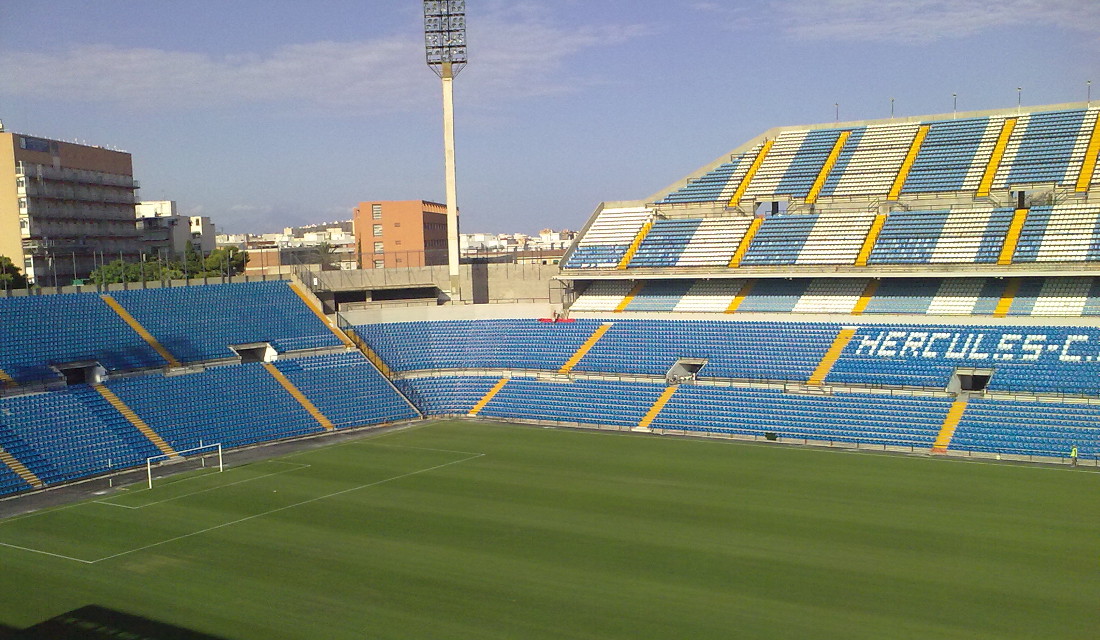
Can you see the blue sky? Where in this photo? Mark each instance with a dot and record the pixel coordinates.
(264, 114)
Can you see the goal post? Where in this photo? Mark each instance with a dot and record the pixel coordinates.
(180, 456)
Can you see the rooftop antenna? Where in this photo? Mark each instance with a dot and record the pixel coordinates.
(445, 48)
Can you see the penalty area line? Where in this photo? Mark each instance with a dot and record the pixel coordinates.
(279, 509)
(47, 553)
(297, 467)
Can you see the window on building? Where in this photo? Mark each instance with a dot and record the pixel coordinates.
(379, 264)
(376, 211)
(378, 247)
(398, 243)
(377, 229)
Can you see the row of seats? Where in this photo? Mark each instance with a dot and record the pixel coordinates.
(735, 350)
(74, 432)
(607, 238)
(808, 239)
(38, 331)
(194, 323)
(976, 235)
(1029, 428)
(198, 323)
(491, 344)
(347, 389)
(1043, 148)
(1049, 360)
(935, 237)
(10, 482)
(1050, 296)
(992, 426)
(69, 434)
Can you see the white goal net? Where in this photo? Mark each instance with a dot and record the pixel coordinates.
(207, 456)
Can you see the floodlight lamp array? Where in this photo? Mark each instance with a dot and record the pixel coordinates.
(445, 34)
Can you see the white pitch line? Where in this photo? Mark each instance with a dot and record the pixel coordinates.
(297, 467)
(47, 553)
(405, 446)
(277, 510)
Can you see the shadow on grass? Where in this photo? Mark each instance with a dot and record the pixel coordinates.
(94, 621)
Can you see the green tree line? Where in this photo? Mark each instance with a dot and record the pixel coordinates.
(224, 261)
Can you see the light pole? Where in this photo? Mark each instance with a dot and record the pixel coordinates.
(445, 47)
(891, 108)
(954, 106)
(837, 105)
(1088, 85)
(1018, 98)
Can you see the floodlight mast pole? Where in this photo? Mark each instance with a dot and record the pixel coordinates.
(451, 187)
(445, 47)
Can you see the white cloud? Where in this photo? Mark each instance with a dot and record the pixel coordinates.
(909, 21)
(510, 46)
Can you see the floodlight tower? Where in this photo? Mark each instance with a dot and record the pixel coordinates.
(445, 44)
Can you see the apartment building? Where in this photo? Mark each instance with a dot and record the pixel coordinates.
(400, 233)
(65, 208)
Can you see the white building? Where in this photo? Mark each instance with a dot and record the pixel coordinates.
(168, 233)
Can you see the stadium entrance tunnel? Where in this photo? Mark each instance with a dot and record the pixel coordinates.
(81, 372)
(415, 294)
(966, 380)
(770, 208)
(255, 352)
(685, 370)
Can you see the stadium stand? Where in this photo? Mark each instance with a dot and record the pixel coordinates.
(199, 323)
(68, 434)
(54, 430)
(1052, 296)
(347, 389)
(925, 284)
(1028, 428)
(894, 421)
(41, 331)
(487, 344)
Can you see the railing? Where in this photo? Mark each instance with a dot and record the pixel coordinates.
(45, 172)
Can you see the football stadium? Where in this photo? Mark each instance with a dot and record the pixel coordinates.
(843, 381)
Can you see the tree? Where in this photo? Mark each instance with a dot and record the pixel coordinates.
(10, 275)
(116, 271)
(119, 271)
(325, 254)
(225, 261)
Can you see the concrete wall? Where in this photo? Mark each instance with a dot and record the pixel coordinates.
(450, 312)
(481, 283)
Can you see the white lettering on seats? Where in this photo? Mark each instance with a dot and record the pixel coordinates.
(867, 343)
(886, 349)
(1032, 347)
(1006, 344)
(974, 353)
(914, 343)
(1064, 357)
(928, 353)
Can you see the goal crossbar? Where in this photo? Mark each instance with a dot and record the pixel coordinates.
(181, 455)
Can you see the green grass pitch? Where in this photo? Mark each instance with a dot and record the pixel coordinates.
(482, 530)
